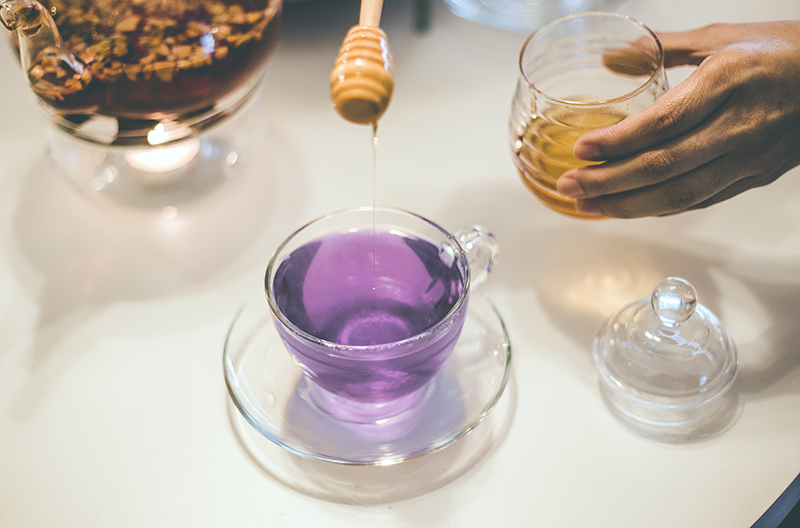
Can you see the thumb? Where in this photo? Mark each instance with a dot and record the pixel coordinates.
(680, 48)
(685, 47)
(694, 46)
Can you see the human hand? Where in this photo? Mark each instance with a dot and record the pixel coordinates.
(732, 125)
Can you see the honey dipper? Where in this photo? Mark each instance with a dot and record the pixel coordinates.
(362, 80)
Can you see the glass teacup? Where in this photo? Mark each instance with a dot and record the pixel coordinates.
(370, 304)
(578, 73)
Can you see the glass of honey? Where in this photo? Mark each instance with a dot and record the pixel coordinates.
(578, 73)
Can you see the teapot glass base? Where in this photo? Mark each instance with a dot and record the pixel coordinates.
(160, 176)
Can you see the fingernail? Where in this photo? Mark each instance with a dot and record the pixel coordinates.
(587, 207)
(568, 186)
(586, 151)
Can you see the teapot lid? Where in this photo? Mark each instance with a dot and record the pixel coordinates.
(667, 350)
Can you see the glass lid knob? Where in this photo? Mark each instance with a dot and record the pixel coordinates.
(674, 301)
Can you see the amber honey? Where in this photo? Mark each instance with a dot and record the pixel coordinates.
(543, 152)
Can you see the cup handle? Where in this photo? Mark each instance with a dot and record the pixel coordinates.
(481, 248)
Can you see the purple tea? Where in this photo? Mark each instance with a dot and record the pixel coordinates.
(364, 292)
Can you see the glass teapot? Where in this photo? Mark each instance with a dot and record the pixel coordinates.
(180, 64)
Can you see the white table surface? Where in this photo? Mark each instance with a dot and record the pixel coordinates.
(113, 408)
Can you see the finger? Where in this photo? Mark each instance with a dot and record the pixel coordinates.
(648, 168)
(680, 48)
(685, 47)
(676, 112)
(651, 166)
(669, 197)
(637, 59)
(693, 46)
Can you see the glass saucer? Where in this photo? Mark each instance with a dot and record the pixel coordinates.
(268, 389)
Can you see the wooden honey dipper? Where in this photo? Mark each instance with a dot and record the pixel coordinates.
(362, 79)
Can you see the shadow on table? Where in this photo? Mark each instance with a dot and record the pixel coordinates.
(349, 484)
(577, 273)
(77, 255)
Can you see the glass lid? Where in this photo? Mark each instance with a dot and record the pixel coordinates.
(667, 350)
